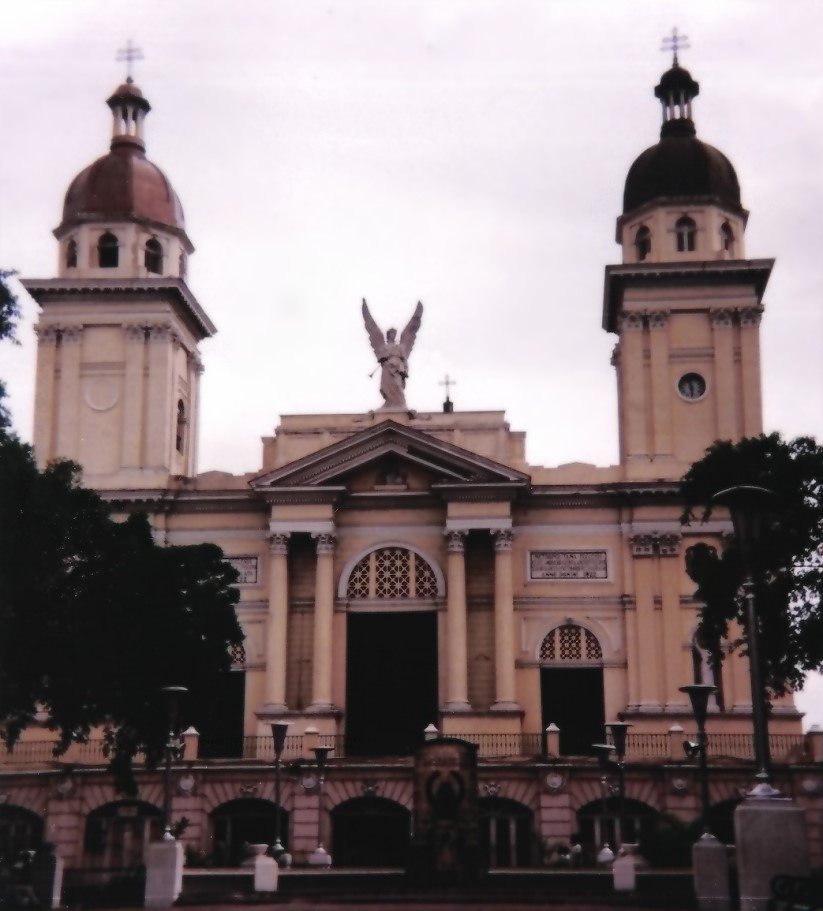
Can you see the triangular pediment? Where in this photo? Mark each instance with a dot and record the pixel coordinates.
(390, 453)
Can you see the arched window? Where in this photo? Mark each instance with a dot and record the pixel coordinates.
(20, 830)
(506, 833)
(117, 833)
(108, 251)
(686, 232)
(726, 237)
(392, 573)
(570, 643)
(180, 433)
(242, 822)
(643, 243)
(71, 254)
(371, 831)
(153, 256)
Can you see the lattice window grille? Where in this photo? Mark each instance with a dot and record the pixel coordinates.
(570, 643)
(392, 573)
(238, 654)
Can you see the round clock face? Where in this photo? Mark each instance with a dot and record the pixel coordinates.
(691, 386)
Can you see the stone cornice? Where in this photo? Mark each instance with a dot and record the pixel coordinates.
(754, 272)
(58, 290)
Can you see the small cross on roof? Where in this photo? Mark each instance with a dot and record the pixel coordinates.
(674, 43)
(129, 54)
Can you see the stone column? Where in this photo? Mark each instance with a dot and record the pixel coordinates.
(661, 382)
(750, 371)
(633, 418)
(648, 640)
(277, 629)
(323, 622)
(505, 694)
(133, 393)
(45, 394)
(457, 696)
(159, 411)
(726, 393)
(68, 398)
(676, 671)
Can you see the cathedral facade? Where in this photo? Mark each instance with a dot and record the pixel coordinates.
(406, 574)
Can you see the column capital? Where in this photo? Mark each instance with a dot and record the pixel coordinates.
(669, 545)
(279, 544)
(750, 316)
(455, 541)
(159, 332)
(71, 334)
(325, 543)
(721, 317)
(134, 332)
(630, 321)
(642, 545)
(503, 538)
(658, 319)
(46, 335)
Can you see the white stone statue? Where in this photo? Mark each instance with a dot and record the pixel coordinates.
(393, 356)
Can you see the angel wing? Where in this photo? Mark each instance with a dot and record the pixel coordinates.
(409, 334)
(373, 330)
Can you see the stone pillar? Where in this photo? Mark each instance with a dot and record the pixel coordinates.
(457, 694)
(274, 696)
(634, 418)
(45, 394)
(164, 873)
(675, 671)
(323, 621)
(711, 874)
(68, 397)
(159, 411)
(647, 621)
(133, 395)
(661, 382)
(750, 371)
(726, 393)
(505, 695)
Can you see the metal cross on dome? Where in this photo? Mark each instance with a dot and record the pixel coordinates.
(129, 54)
(674, 43)
(448, 382)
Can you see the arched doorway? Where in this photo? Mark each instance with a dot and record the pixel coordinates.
(597, 824)
(571, 688)
(506, 833)
(370, 832)
(20, 830)
(118, 832)
(242, 822)
(391, 652)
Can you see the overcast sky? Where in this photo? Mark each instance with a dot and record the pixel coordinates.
(468, 154)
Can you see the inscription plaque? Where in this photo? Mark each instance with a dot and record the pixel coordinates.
(568, 564)
(246, 567)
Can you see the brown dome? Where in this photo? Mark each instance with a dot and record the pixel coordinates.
(123, 186)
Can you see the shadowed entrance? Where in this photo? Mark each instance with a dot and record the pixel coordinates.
(391, 685)
(370, 831)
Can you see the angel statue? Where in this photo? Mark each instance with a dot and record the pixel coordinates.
(393, 356)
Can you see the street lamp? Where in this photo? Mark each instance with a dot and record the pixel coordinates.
(748, 506)
(320, 855)
(698, 694)
(278, 733)
(173, 750)
(604, 750)
(618, 730)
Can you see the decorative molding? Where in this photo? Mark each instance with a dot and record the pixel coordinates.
(658, 319)
(46, 335)
(588, 563)
(160, 332)
(135, 332)
(645, 545)
(642, 545)
(71, 334)
(630, 321)
(669, 545)
(247, 567)
(750, 316)
(455, 541)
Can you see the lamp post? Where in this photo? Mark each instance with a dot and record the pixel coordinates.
(604, 750)
(748, 506)
(618, 730)
(278, 733)
(698, 694)
(320, 855)
(173, 750)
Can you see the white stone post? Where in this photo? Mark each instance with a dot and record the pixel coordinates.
(323, 624)
(458, 681)
(277, 624)
(164, 873)
(505, 695)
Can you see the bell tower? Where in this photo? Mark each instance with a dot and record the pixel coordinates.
(685, 303)
(118, 365)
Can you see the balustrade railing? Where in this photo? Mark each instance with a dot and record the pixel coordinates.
(639, 747)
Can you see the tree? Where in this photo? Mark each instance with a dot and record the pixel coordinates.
(789, 558)
(94, 616)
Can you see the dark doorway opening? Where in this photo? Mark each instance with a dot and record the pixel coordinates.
(218, 715)
(506, 838)
(242, 822)
(599, 823)
(370, 832)
(572, 698)
(391, 682)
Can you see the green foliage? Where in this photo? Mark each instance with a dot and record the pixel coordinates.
(96, 617)
(9, 308)
(788, 562)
